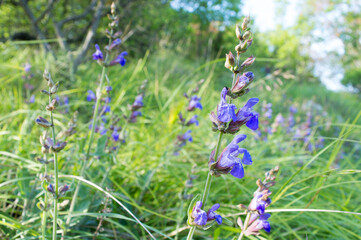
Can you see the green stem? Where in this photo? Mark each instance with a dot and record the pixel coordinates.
(207, 187)
(245, 226)
(45, 213)
(55, 215)
(91, 139)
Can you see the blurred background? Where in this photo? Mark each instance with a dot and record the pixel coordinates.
(307, 77)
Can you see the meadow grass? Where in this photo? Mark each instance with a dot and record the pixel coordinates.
(147, 180)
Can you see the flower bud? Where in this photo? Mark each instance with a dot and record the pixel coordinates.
(54, 88)
(52, 105)
(46, 75)
(63, 189)
(248, 62)
(58, 146)
(229, 61)
(242, 82)
(112, 8)
(50, 188)
(245, 22)
(42, 122)
(247, 34)
(238, 33)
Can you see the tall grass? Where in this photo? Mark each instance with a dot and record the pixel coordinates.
(145, 179)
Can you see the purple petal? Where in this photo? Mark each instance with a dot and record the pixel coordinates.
(201, 218)
(218, 219)
(237, 170)
(247, 159)
(215, 207)
(266, 226)
(253, 122)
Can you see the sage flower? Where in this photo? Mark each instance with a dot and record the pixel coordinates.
(119, 59)
(194, 103)
(211, 215)
(199, 215)
(91, 96)
(97, 55)
(258, 224)
(193, 120)
(245, 115)
(228, 161)
(138, 103)
(225, 111)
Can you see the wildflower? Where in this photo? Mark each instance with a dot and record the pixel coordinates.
(50, 188)
(108, 88)
(97, 55)
(115, 43)
(257, 222)
(194, 103)
(102, 130)
(242, 83)
(181, 118)
(32, 99)
(119, 59)
(248, 62)
(228, 161)
(245, 115)
(211, 215)
(115, 135)
(91, 96)
(260, 201)
(184, 138)
(27, 67)
(199, 215)
(225, 111)
(134, 115)
(58, 146)
(138, 103)
(193, 120)
(63, 189)
(43, 122)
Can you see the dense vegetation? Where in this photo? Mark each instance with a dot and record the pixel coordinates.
(310, 132)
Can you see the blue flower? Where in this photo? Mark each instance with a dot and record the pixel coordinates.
(27, 67)
(134, 115)
(184, 138)
(228, 161)
(32, 99)
(260, 201)
(225, 111)
(193, 120)
(194, 103)
(119, 59)
(138, 103)
(211, 215)
(108, 88)
(115, 135)
(102, 130)
(97, 55)
(115, 43)
(245, 115)
(258, 224)
(199, 215)
(91, 96)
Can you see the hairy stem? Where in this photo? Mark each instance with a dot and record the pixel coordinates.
(245, 226)
(207, 187)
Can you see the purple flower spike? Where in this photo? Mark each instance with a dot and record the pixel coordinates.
(228, 161)
(194, 103)
(199, 215)
(193, 120)
(225, 111)
(211, 215)
(91, 96)
(119, 59)
(98, 55)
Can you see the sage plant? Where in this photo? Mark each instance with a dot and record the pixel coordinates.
(105, 61)
(50, 146)
(193, 104)
(227, 120)
(256, 218)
